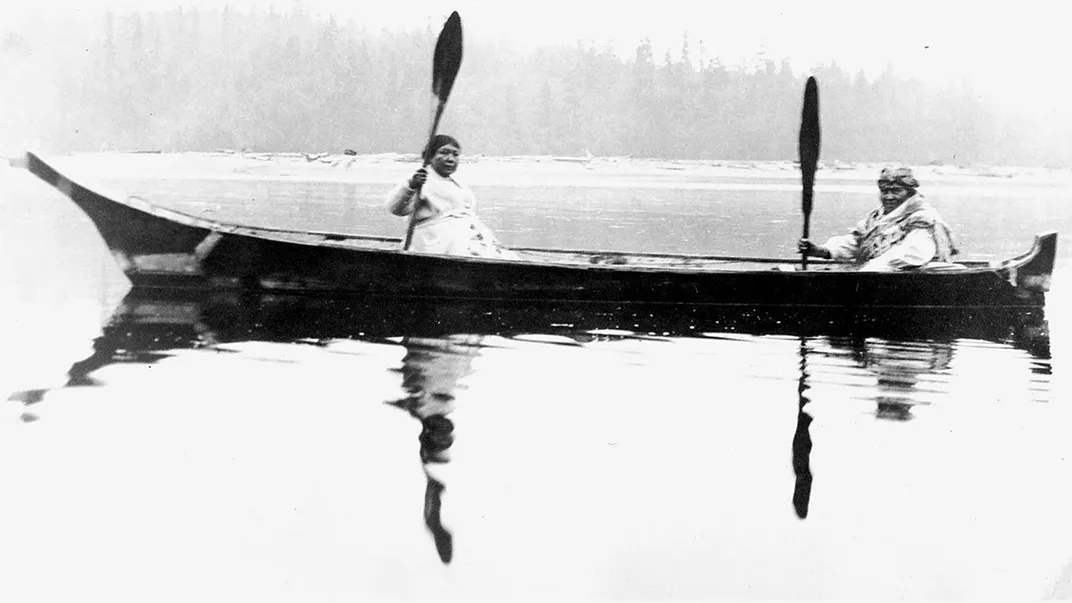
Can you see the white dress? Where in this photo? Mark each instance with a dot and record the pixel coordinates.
(446, 221)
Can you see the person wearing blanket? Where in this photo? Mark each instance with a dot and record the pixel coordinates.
(904, 233)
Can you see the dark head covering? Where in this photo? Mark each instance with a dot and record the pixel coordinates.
(898, 175)
(438, 142)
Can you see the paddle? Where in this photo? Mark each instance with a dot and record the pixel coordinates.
(445, 64)
(809, 154)
(809, 159)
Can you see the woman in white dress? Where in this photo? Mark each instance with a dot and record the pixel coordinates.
(446, 220)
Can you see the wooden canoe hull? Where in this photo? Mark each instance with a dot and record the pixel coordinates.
(164, 249)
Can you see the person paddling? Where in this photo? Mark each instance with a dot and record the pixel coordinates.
(446, 220)
(904, 233)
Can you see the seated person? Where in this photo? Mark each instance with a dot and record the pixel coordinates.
(446, 220)
(904, 233)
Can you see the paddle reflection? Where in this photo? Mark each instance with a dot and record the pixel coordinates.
(431, 371)
(802, 440)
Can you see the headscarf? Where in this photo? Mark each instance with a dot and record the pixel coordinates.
(898, 175)
(438, 142)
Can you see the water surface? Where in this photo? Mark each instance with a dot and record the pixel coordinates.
(274, 448)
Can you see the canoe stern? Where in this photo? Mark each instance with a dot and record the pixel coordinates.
(1035, 274)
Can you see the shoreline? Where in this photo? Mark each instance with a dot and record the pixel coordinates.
(530, 170)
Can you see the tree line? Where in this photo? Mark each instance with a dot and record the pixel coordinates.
(190, 80)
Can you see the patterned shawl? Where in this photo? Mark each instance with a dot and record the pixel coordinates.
(878, 232)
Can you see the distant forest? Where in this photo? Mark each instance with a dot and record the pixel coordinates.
(189, 80)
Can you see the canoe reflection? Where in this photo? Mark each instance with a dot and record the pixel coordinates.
(903, 354)
(165, 320)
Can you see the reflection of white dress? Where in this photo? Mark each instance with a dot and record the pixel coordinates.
(447, 221)
(433, 369)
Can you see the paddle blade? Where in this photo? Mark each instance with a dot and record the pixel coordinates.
(809, 141)
(448, 57)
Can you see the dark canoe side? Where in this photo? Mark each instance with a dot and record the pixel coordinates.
(158, 248)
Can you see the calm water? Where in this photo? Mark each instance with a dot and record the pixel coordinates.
(278, 449)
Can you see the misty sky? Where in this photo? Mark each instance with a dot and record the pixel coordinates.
(1012, 51)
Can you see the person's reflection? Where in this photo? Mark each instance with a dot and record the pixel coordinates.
(898, 366)
(431, 371)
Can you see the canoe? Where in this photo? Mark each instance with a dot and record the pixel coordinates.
(159, 248)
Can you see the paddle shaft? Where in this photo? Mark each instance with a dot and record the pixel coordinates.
(807, 196)
(427, 160)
